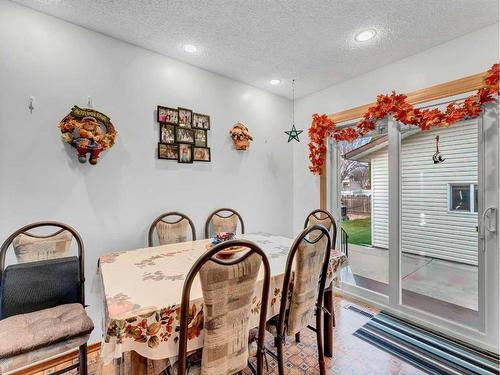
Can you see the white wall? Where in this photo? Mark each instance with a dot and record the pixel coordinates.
(113, 203)
(469, 54)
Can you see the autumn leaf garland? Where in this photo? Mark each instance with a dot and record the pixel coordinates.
(396, 105)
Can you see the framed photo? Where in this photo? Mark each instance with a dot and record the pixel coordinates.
(200, 138)
(167, 115)
(185, 117)
(201, 121)
(167, 133)
(185, 153)
(184, 135)
(201, 153)
(168, 151)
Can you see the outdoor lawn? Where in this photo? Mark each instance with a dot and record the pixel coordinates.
(359, 231)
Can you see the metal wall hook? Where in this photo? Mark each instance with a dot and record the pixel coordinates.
(31, 105)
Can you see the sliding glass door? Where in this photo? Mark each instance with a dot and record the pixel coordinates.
(433, 211)
(439, 198)
(364, 199)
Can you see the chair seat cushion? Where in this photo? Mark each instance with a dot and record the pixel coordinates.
(253, 336)
(192, 370)
(16, 362)
(193, 363)
(25, 332)
(272, 325)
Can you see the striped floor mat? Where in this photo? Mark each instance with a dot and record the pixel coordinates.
(426, 350)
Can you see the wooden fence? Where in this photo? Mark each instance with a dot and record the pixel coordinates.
(357, 204)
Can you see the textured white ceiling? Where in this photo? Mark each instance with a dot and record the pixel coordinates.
(254, 41)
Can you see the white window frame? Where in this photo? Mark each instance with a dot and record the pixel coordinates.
(486, 335)
(472, 202)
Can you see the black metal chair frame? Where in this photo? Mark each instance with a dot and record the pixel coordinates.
(209, 255)
(82, 363)
(216, 213)
(284, 312)
(167, 214)
(333, 234)
(329, 290)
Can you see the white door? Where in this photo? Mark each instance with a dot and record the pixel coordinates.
(489, 280)
(443, 242)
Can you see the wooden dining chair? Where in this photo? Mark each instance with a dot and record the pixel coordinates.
(223, 220)
(171, 227)
(303, 289)
(227, 286)
(42, 303)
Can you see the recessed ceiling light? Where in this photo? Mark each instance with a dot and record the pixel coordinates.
(190, 48)
(363, 36)
(275, 82)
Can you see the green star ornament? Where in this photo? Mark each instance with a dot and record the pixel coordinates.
(293, 134)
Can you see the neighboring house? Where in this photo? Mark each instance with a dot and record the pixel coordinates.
(351, 187)
(439, 202)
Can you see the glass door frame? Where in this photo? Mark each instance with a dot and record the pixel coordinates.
(488, 248)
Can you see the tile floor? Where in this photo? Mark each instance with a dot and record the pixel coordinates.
(352, 355)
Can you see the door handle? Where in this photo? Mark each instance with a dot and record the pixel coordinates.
(491, 227)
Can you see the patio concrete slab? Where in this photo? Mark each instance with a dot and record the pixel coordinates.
(451, 282)
(373, 263)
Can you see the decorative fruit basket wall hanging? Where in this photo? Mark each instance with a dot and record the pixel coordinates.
(241, 136)
(89, 131)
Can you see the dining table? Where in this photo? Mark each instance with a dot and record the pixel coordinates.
(142, 292)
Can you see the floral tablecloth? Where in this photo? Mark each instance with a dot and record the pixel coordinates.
(143, 288)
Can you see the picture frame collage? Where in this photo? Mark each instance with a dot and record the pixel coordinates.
(183, 135)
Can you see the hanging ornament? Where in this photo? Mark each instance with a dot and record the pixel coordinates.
(294, 133)
(437, 157)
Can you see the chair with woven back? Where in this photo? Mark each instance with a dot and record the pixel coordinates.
(223, 220)
(42, 304)
(228, 286)
(302, 291)
(171, 227)
(325, 218)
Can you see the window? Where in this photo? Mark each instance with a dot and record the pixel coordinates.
(463, 198)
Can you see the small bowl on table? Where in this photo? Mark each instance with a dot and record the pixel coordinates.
(223, 237)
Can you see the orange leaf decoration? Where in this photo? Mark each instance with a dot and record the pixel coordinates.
(347, 134)
(472, 107)
(492, 79)
(454, 113)
(396, 105)
(321, 128)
